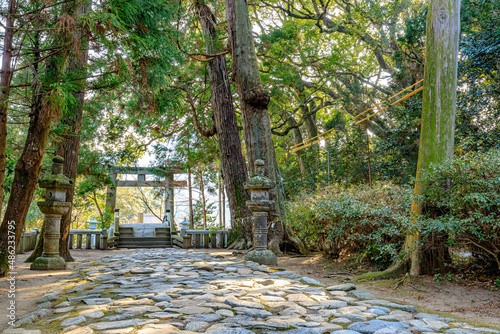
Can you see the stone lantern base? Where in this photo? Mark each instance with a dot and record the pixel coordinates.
(48, 263)
(262, 257)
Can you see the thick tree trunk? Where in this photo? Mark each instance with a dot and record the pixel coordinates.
(28, 166)
(253, 98)
(70, 148)
(5, 80)
(26, 173)
(253, 103)
(38, 246)
(231, 155)
(438, 107)
(437, 130)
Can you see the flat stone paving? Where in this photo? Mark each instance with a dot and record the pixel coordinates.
(186, 291)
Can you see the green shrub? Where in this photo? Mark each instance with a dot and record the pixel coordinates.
(463, 200)
(367, 224)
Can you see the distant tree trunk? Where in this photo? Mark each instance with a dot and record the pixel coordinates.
(70, 148)
(437, 130)
(254, 99)
(297, 139)
(5, 80)
(231, 155)
(190, 189)
(203, 203)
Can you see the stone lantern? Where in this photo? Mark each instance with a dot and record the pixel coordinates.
(260, 205)
(54, 207)
(92, 226)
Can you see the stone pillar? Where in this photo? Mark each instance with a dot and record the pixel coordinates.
(117, 222)
(169, 195)
(260, 205)
(54, 207)
(110, 199)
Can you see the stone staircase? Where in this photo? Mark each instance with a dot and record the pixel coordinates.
(154, 236)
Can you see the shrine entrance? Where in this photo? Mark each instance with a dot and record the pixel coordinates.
(144, 235)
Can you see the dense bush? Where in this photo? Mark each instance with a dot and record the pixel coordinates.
(463, 200)
(462, 206)
(365, 224)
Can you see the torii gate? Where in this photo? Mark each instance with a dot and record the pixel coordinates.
(166, 172)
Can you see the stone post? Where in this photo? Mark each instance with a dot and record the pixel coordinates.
(260, 205)
(54, 207)
(186, 238)
(104, 235)
(117, 223)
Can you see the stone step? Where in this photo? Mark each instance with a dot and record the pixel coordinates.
(145, 246)
(144, 242)
(134, 239)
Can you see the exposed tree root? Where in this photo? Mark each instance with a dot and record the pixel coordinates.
(395, 270)
(274, 246)
(292, 238)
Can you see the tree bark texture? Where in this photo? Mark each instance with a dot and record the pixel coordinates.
(5, 80)
(233, 164)
(28, 166)
(26, 173)
(69, 149)
(438, 122)
(253, 98)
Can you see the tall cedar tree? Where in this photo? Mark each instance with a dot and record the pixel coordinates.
(45, 108)
(254, 100)
(436, 134)
(231, 155)
(69, 148)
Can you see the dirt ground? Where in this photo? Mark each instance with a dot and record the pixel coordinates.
(477, 306)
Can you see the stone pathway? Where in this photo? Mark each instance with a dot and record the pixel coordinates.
(177, 291)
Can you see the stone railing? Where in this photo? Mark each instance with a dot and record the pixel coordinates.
(204, 238)
(27, 242)
(85, 237)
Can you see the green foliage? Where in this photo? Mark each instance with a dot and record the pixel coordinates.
(198, 214)
(368, 225)
(462, 200)
(462, 204)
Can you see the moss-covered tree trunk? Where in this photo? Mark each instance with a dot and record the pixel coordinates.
(438, 114)
(44, 111)
(437, 131)
(28, 166)
(231, 155)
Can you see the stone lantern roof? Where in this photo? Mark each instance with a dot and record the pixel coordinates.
(258, 180)
(56, 179)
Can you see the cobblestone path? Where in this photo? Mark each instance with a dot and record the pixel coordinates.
(159, 291)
